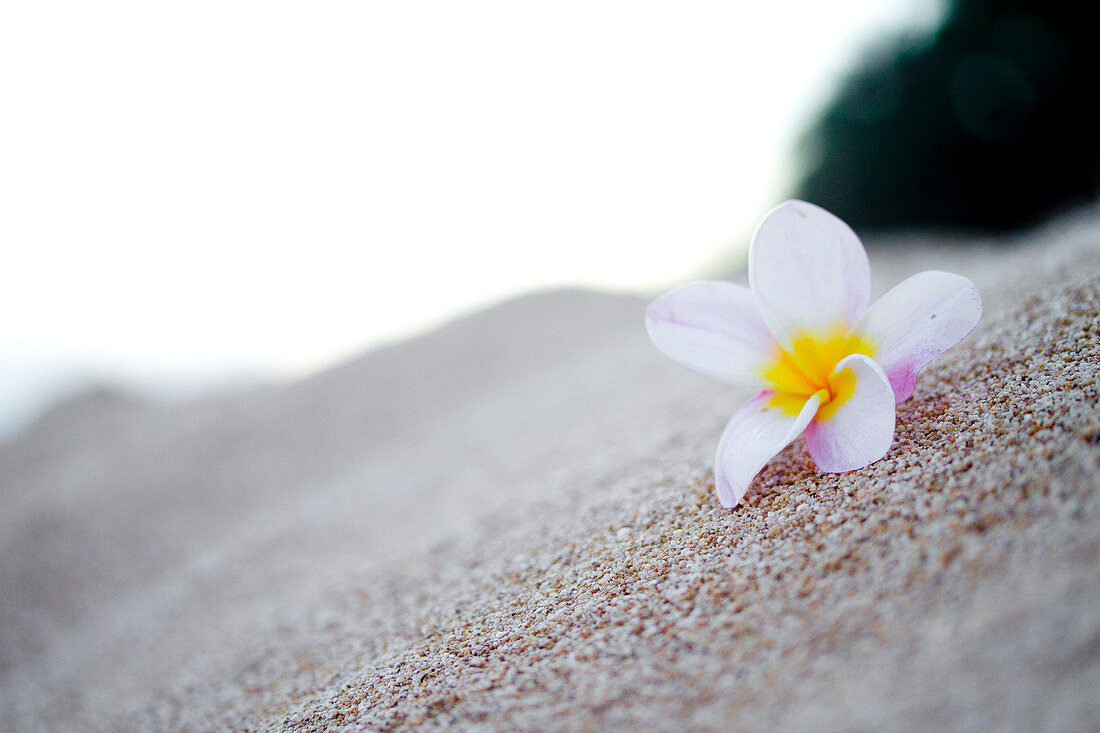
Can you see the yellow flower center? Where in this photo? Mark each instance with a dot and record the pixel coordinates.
(807, 370)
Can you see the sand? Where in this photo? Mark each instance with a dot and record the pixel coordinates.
(510, 524)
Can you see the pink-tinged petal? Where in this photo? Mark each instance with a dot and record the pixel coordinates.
(712, 328)
(856, 428)
(919, 319)
(755, 433)
(808, 271)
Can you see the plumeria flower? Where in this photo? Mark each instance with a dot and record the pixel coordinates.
(829, 365)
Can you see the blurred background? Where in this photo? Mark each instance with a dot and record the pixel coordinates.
(987, 125)
(198, 194)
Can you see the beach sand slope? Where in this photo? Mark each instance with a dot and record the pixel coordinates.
(510, 523)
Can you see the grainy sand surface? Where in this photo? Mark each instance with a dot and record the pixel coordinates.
(509, 524)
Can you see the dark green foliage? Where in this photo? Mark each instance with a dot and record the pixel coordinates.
(989, 125)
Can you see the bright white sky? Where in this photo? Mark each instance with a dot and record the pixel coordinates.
(190, 190)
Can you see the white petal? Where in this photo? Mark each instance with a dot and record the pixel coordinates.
(808, 271)
(919, 319)
(714, 329)
(858, 431)
(755, 433)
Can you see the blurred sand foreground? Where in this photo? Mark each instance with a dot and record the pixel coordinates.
(510, 524)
